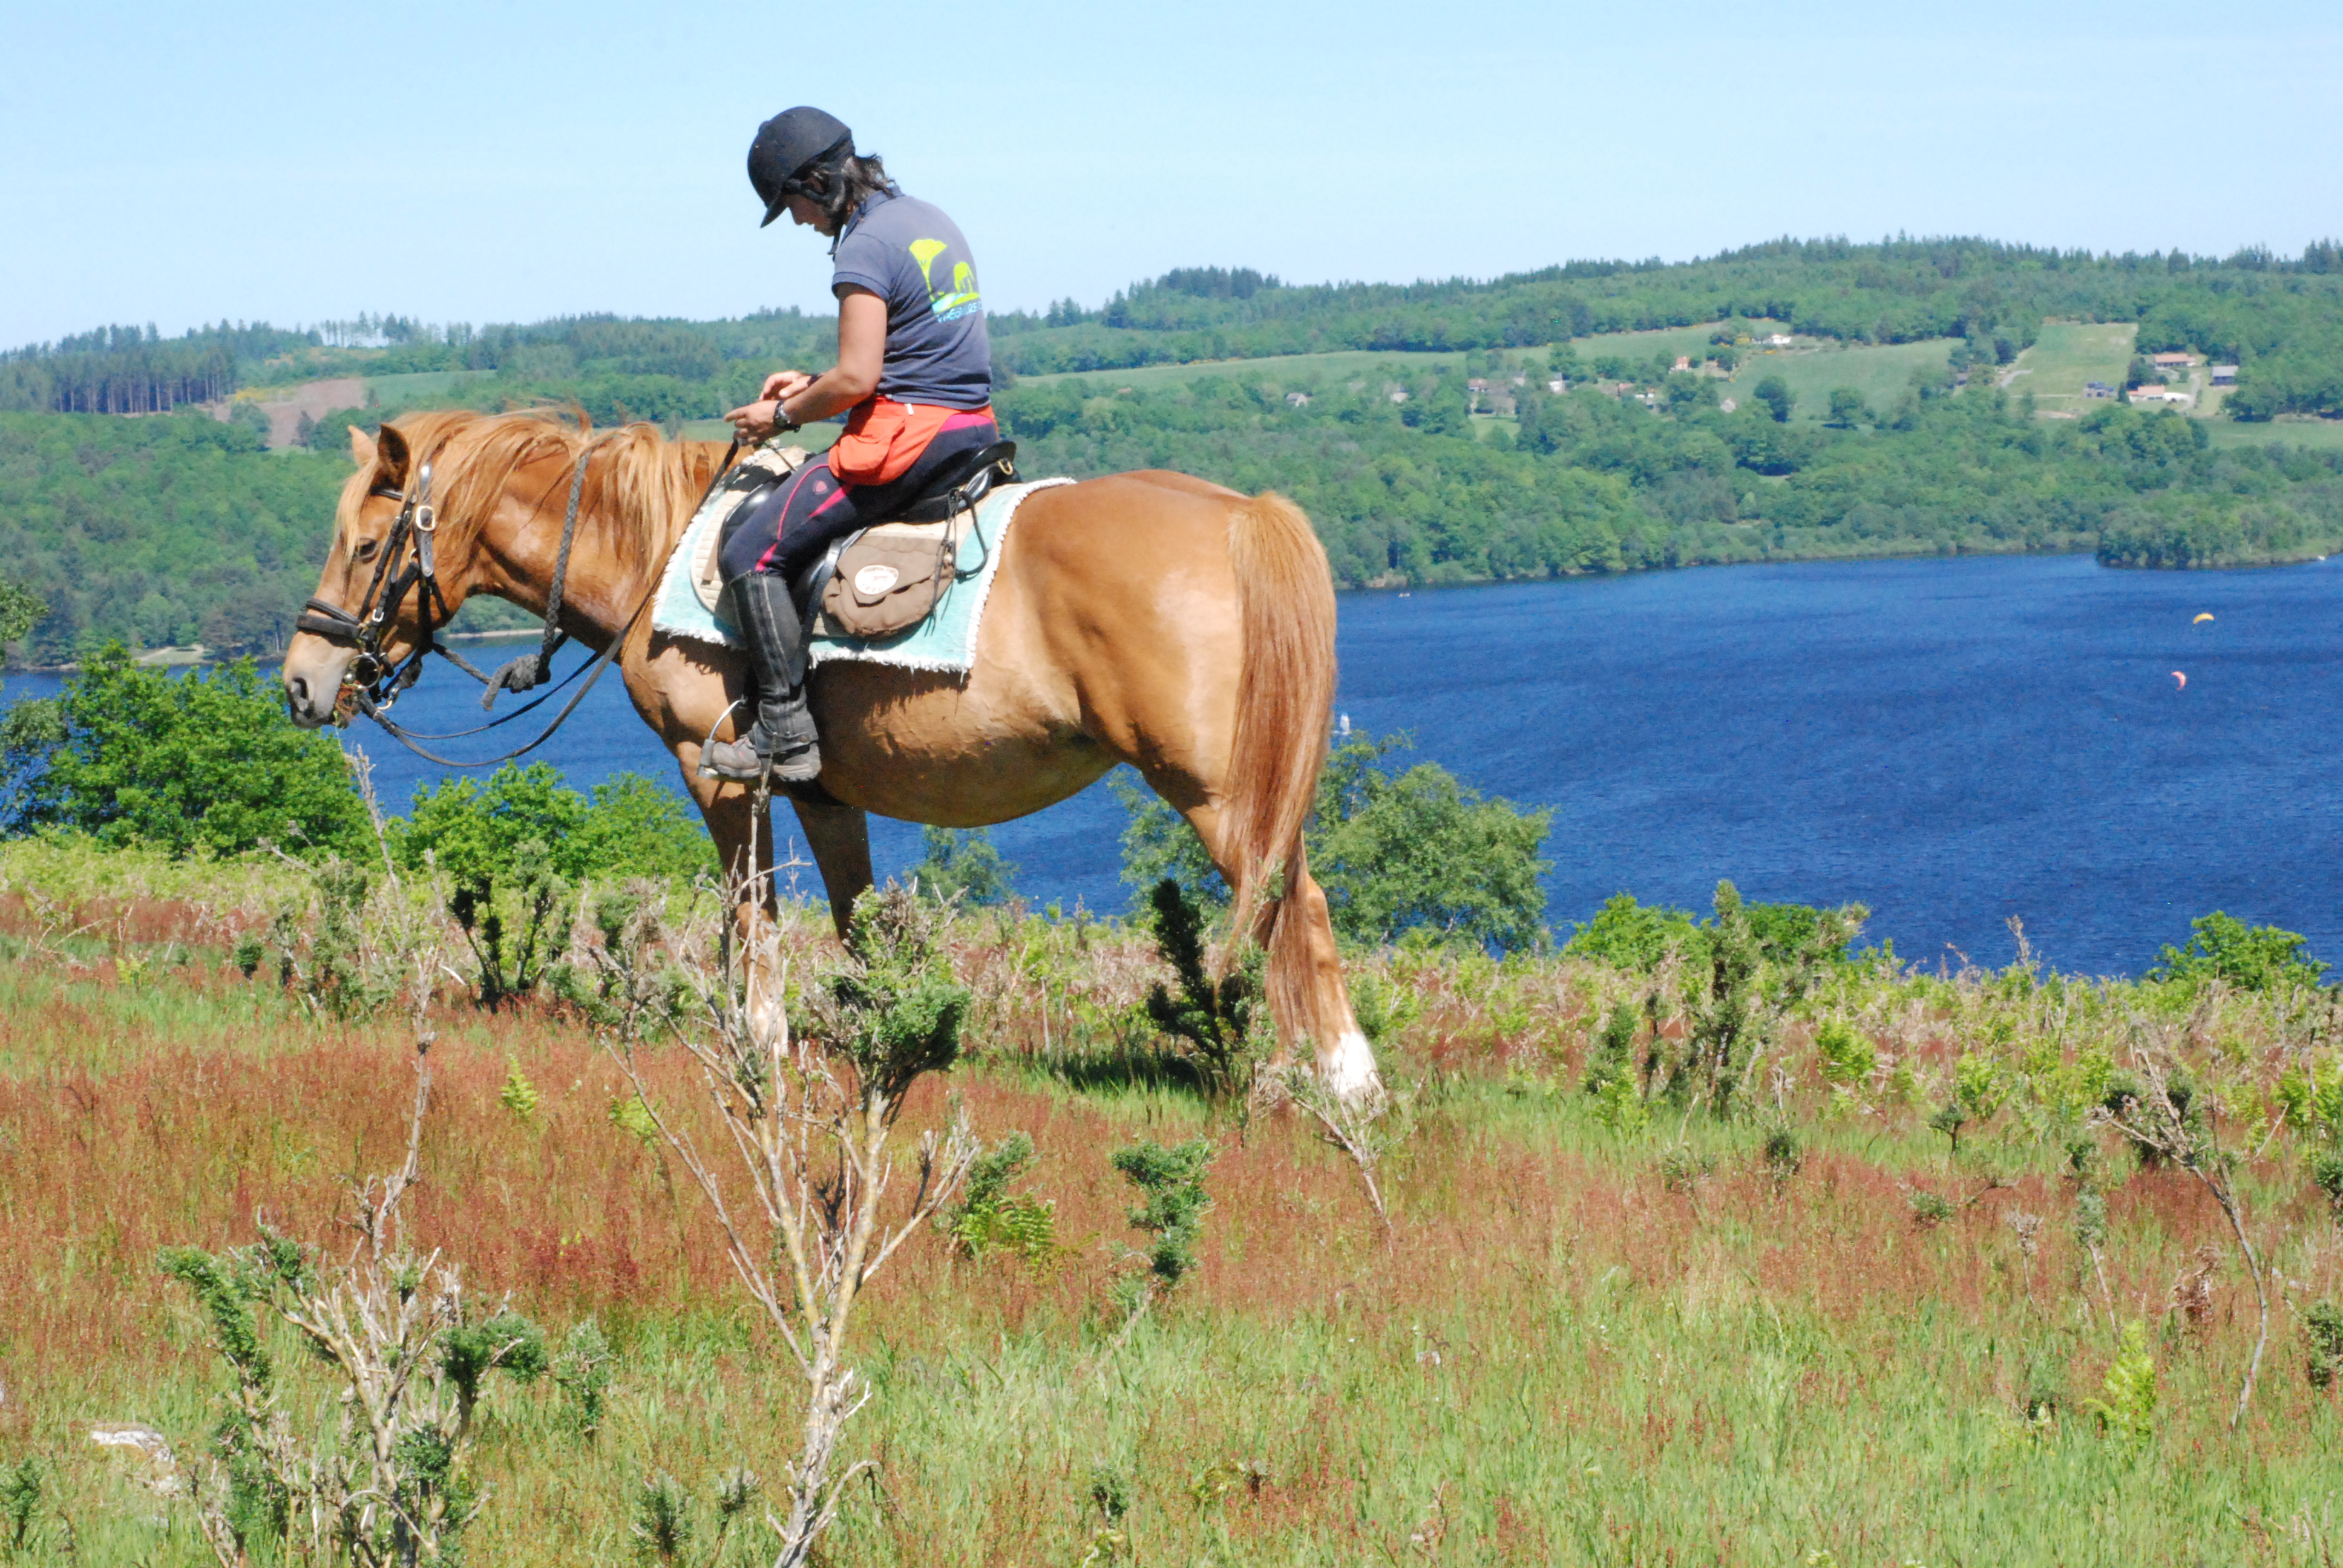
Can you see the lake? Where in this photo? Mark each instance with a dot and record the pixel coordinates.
(1952, 742)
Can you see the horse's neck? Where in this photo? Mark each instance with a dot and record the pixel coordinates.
(598, 591)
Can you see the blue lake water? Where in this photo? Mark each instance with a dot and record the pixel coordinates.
(1952, 742)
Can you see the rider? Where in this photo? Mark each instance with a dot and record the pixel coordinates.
(913, 376)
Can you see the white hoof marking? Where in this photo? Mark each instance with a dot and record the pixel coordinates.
(1348, 1071)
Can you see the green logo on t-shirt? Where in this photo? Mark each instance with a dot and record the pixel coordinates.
(962, 296)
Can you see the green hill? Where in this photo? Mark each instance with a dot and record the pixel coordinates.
(1416, 422)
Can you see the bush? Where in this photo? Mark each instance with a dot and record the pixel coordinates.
(205, 762)
(1627, 935)
(962, 864)
(2248, 957)
(1423, 859)
(628, 827)
(1419, 858)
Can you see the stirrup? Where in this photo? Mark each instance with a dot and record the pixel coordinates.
(737, 761)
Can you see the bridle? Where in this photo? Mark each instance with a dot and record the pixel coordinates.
(378, 681)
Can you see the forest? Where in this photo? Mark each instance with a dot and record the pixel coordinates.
(170, 531)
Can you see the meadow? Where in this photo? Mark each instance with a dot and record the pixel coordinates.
(1883, 373)
(1598, 1326)
(2055, 367)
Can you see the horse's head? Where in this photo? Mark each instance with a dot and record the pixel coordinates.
(360, 625)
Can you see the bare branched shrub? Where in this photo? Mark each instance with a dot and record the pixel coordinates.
(809, 1107)
(387, 1480)
(1368, 1127)
(2166, 1120)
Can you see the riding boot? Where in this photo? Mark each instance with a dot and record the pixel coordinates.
(782, 738)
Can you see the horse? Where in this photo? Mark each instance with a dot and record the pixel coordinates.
(1146, 617)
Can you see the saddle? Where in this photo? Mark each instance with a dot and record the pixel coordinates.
(886, 579)
(879, 580)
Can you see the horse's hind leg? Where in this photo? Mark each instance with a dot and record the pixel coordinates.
(840, 838)
(1306, 994)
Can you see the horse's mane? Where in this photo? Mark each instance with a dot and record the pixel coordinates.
(640, 485)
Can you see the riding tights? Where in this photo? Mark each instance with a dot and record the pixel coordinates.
(798, 521)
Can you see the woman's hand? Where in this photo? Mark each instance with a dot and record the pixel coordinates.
(755, 421)
(784, 383)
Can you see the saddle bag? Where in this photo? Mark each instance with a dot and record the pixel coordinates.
(886, 581)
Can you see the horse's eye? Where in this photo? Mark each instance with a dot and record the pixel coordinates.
(367, 548)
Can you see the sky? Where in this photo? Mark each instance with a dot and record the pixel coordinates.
(489, 161)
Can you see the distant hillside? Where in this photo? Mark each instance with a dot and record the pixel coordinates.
(1791, 400)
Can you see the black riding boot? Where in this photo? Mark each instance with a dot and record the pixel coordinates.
(783, 736)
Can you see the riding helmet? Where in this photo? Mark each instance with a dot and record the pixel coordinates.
(790, 145)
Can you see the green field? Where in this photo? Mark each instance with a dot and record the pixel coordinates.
(1315, 370)
(1882, 373)
(1299, 369)
(1601, 1326)
(419, 386)
(2319, 435)
(2067, 355)
(1690, 341)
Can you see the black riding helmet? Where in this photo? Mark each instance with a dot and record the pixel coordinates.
(791, 144)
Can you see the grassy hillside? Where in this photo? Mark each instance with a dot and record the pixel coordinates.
(2066, 357)
(1883, 372)
(1200, 371)
(1599, 1328)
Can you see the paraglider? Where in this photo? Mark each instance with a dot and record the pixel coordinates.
(2202, 616)
(2182, 679)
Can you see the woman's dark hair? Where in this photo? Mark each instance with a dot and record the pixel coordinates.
(846, 185)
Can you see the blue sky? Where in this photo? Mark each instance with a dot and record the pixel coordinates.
(487, 161)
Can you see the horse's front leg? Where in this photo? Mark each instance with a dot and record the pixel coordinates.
(840, 838)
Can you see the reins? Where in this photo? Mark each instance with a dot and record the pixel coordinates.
(380, 684)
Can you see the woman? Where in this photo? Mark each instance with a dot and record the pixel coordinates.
(913, 376)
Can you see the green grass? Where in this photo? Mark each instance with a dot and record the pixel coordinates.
(1578, 1342)
(1298, 370)
(1282, 371)
(2067, 355)
(1642, 347)
(1883, 373)
(417, 386)
(2319, 435)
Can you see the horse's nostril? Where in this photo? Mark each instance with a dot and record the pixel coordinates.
(299, 687)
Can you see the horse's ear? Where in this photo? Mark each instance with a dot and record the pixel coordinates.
(361, 448)
(391, 457)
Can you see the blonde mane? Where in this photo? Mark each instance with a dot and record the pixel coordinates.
(640, 485)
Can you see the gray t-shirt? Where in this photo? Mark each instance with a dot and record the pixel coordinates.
(909, 254)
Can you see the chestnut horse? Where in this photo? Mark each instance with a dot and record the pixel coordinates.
(1146, 617)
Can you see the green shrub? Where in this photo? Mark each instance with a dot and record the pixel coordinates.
(1417, 857)
(1222, 1027)
(201, 762)
(989, 1217)
(1172, 1183)
(1423, 859)
(962, 864)
(2322, 1325)
(1846, 1056)
(1631, 936)
(2128, 1411)
(2249, 957)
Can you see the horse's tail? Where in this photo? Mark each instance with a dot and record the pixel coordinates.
(1285, 606)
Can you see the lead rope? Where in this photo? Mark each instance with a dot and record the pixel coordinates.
(592, 670)
(529, 669)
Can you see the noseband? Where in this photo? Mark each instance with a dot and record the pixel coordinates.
(377, 680)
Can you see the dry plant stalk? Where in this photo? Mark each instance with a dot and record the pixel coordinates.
(809, 1114)
(2156, 1120)
(1365, 1127)
(388, 1486)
